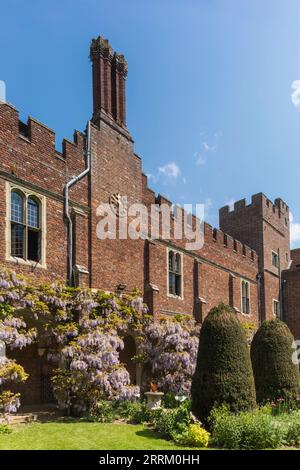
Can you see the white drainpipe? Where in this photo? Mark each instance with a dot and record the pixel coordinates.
(67, 205)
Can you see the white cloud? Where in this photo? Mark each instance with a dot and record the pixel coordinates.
(167, 174)
(207, 148)
(200, 160)
(295, 95)
(294, 229)
(170, 171)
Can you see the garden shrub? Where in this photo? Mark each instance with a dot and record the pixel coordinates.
(140, 413)
(246, 430)
(293, 433)
(226, 431)
(290, 426)
(172, 423)
(102, 412)
(194, 436)
(223, 373)
(129, 409)
(276, 377)
(171, 400)
(106, 411)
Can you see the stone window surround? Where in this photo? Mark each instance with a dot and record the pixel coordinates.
(277, 303)
(9, 187)
(179, 297)
(249, 297)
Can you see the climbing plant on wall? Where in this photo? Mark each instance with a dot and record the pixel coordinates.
(169, 347)
(14, 334)
(82, 331)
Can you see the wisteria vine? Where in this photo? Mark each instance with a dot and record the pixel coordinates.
(82, 330)
(170, 348)
(14, 334)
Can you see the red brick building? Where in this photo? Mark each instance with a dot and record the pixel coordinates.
(241, 264)
(291, 294)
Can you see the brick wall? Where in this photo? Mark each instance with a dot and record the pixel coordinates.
(295, 258)
(292, 301)
(30, 160)
(264, 226)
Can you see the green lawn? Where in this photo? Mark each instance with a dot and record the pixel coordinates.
(81, 436)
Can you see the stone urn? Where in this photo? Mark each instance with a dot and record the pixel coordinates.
(154, 400)
(154, 397)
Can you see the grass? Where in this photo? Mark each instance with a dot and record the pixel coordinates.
(84, 436)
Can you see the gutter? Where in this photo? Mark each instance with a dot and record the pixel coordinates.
(68, 217)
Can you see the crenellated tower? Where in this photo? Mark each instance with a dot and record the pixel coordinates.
(265, 227)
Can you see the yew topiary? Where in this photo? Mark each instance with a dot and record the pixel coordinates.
(275, 374)
(223, 373)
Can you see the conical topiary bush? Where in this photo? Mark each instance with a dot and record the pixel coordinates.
(274, 372)
(223, 372)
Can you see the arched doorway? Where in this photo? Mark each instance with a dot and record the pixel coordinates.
(126, 356)
(37, 389)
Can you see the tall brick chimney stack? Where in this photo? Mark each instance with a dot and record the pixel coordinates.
(109, 81)
(119, 74)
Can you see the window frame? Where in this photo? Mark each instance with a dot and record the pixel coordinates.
(277, 303)
(41, 200)
(16, 222)
(277, 258)
(180, 274)
(244, 281)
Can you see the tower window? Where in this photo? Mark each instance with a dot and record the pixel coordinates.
(25, 216)
(175, 273)
(275, 259)
(245, 297)
(276, 308)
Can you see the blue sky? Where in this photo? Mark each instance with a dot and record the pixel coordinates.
(210, 101)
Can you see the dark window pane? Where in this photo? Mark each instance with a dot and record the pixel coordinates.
(177, 264)
(33, 213)
(33, 244)
(17, 240)
(16, 210)
(245, 297)
(178, 285)
(244, 289)
(171, 283)
(171, 257)
(275, 260)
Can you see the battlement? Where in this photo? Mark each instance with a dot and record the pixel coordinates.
(223, 240)
(260, 206)
(218, 238)
(39, 135)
